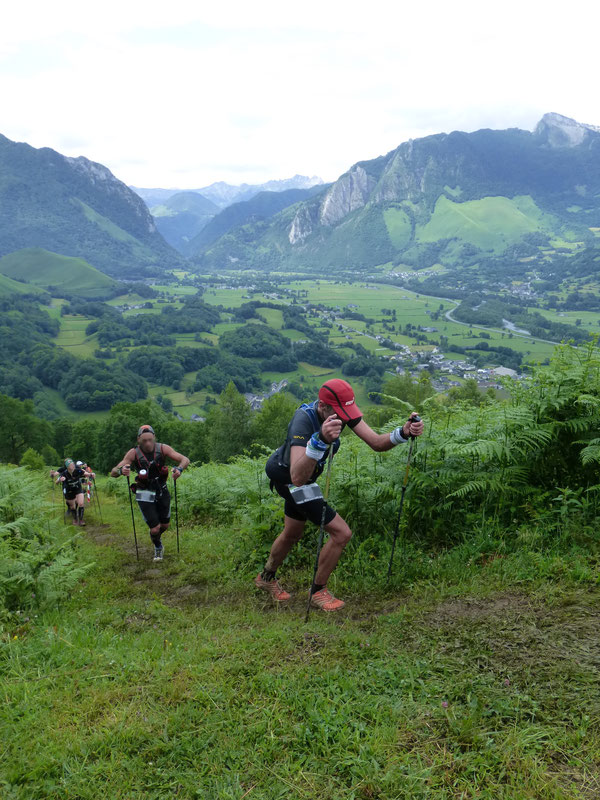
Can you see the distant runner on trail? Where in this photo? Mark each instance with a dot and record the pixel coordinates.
(298, 463)
(151, 493)
(71, 477)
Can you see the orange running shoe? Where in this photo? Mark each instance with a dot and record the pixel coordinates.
(273, 588)
(325, 600)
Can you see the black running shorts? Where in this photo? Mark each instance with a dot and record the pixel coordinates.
(313, 510)
(158, 512)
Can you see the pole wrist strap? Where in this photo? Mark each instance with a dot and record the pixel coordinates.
(397, 436)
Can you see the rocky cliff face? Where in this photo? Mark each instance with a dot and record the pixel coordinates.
(349, 193)
(558, 131)
(102, 177)
(462, 165)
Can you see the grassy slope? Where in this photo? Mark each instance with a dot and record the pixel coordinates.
(178, 680)
(398, 226)
(43, 268)
(491, 223)
(9, 286)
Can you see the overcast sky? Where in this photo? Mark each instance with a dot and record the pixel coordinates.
(181, 94)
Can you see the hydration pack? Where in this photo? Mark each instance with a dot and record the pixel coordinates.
(157, 471)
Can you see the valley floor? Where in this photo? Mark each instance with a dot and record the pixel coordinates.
(176, 680)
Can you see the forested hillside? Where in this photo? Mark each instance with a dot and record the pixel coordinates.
(77, 208)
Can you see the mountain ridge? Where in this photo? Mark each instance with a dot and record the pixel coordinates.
(76, 207)
(224, 194)
(378, 209)
(261, 206)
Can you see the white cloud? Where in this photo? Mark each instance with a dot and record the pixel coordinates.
(171, 95)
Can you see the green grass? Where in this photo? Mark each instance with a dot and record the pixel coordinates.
(175, 289)
(8, 287)
(178, 680)
(72, 336)
(590, 320)
(312, 370)
(491, 223)
(232, 298)
(62, 273)
(131, 298)
(182, 404)
(113, 230)
(273, 316)
(132, 312)
(55, 307)
(398, 226)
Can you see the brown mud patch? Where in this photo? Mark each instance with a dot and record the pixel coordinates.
(519, 634)
(474, 608)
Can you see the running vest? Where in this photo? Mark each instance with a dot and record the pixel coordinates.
(154, 465)
(72, 482)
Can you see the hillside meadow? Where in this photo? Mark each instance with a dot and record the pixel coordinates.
(472, 673)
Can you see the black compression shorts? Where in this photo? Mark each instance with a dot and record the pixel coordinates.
(158, 512)
(313, 510)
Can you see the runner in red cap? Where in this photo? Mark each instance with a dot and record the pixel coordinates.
(293, 470)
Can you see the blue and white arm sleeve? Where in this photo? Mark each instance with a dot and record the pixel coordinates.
(316, 447)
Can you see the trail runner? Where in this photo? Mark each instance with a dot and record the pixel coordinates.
(293, 470)
(71, 477)
(151, 493)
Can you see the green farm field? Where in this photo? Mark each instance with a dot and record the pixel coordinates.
(72, 336)
(175, 289)
(590, 320)
(55, 307)
(410, 308)
(233, 298)
(133, 312)
(131, 298)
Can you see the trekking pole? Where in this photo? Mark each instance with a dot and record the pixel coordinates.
(176, 514)
(98, 500)
(137, 554)
(321, 530)
(410, 448)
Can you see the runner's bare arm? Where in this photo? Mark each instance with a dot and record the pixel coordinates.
(301, 466)
(124, 465)
(381, 441)
(175, 456)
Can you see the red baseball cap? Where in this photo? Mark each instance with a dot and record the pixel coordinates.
(340, 396)
(145, 429)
